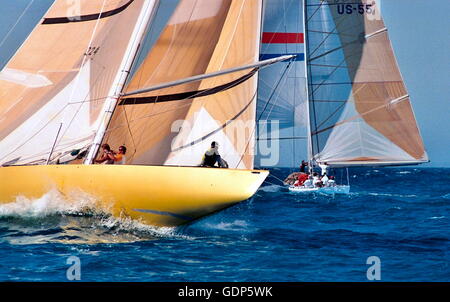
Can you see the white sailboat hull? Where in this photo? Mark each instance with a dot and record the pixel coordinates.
(343, 189)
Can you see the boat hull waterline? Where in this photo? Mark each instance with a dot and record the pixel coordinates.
(154, 195)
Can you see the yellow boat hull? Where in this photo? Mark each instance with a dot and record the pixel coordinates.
(155, 195)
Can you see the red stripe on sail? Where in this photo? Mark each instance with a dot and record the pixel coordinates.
(271, 38)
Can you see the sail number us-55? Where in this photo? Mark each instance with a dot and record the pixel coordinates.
(354, 8)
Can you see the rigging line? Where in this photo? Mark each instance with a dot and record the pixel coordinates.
(121, 77)
(60, 148)
(279, 92)
(327, 36)
(200, 93)
(219, 128)
(264, 109)
(271, 183)
(334, 49)
(149, 116)
(356, 116)
(285, 27)
(16, 23)
(328, 76)
(337, 109)
(319, 6)
(36, 133)
(99, 77)
(273, 92)
(131, 134)
(281, 138)
(89, 100)
(330, 116)
(155, 114)
(232, 35)
(279, 179)
(83, 62)
(310, 96)
(149, 78)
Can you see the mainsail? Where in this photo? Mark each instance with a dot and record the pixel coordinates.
(360, 110)
(175, 125)
(52, 91)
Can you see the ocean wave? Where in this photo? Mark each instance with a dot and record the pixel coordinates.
(51, 203)
(237, 225)
(436, 217)
(393, 195)
(271, 188)
(78, 218)
(404, 172)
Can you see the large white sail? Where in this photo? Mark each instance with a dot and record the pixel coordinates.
(360, 110)
(60, 78)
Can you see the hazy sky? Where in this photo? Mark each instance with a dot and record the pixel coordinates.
(420, 35)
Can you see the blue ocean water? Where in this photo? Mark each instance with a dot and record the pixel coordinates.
(401, 215)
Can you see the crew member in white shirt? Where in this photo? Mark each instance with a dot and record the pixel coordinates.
(323, 167)
(309, 182)
(324, 179)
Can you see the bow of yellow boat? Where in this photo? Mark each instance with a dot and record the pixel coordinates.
(155, 195)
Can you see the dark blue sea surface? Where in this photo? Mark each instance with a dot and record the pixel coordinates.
(400, 215)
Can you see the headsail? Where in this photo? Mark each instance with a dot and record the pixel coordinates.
(61, 75)
(282, 98)
(175, 125)
(360, 109)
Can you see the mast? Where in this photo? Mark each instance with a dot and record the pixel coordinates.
(305, 45)
(121, 77)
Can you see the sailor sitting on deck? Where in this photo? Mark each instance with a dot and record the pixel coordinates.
(119, 158)
(107, 157)
(331, 182)
(302, 177)
(212, 156)
(309, 182)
